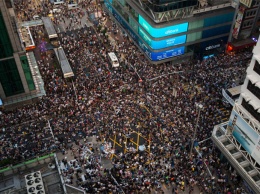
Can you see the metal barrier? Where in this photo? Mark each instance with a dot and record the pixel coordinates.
(61, 177)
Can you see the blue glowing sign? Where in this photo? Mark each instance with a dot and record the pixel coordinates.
(162, 43)
(157, 56)
(161, 32)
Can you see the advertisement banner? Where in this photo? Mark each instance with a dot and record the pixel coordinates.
(157, 56)
(237, 25)
(245, 135)
(161, 32)
(160, 44)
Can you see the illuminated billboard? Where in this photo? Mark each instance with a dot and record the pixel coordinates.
(157, 56)
(245, 135)
(160, 44)
(161, 32)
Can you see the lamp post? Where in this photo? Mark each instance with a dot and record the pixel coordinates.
(200, 107)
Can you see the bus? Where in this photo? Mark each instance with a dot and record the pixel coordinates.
(57, 2)
(113, 59)
(64, 63)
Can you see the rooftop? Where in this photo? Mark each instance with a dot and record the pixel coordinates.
(13, 178)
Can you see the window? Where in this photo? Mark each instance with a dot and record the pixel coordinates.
(194, 36)
(133, 24)
(257, 67)
(120, 9)
(247, 23)
(10, 78)
(122, 2)
(6, 49)
(27, 73)
(254, 89)
(216, 31)
(196, 24)
(250, 13)
(219, 19)
(256, 3)
(251, 110)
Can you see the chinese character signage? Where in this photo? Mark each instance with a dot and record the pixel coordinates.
(239, 19)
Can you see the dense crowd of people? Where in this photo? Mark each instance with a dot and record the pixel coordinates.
(104, 101)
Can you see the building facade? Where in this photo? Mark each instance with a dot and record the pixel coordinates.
(16, 79)
(246, 25)
(239, 138)
(167, 30)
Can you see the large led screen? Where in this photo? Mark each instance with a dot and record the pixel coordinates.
(161, 32)
(157, 56)
(160, 44)
(245, 135)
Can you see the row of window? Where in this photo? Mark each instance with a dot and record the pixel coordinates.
(250, 13)
(254, 89)
(6, 49)
(10, 78)
(27, 73)
(248, 23)
(257, 67)
(256, 3)
(251, 110)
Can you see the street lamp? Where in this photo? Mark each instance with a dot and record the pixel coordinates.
(200, 107)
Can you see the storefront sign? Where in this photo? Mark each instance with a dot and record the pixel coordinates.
(212, 47)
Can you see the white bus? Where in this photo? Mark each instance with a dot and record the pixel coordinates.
(113, 59)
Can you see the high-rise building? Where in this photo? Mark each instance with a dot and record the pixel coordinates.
(17, 82)
(246, 26)
(239, 138)
(166, 30)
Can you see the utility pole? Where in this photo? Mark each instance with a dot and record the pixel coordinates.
(200, 107)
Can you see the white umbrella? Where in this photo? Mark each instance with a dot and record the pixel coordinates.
(142, 148)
